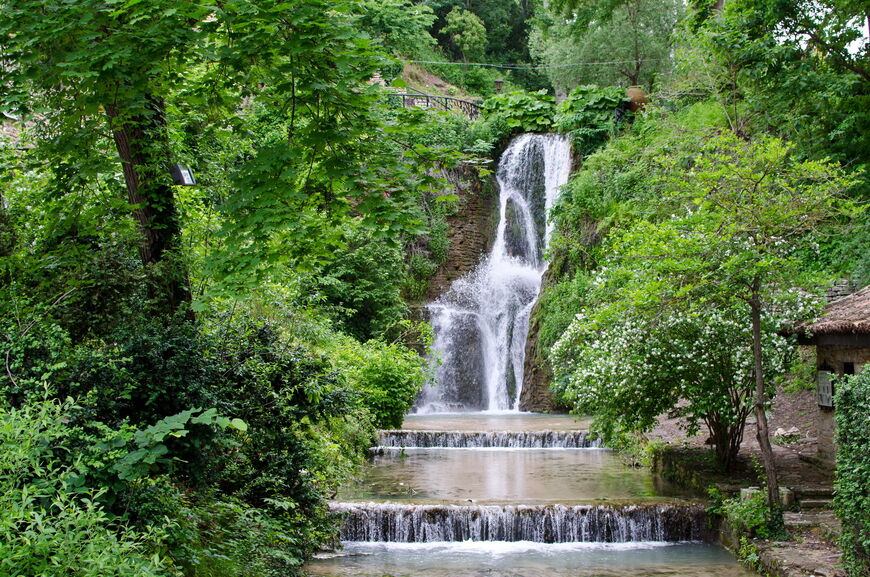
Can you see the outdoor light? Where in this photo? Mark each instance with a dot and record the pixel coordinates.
(182, 175)
(499, 82)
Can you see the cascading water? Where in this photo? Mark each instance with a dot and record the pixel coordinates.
(394, 522)
(482, 322)
(509, 494)
(488, 439)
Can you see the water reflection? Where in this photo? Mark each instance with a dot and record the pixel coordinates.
(531, 476)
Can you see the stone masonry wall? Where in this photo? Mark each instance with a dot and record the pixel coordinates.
(537, 373)
(834, 356)
(471, 230)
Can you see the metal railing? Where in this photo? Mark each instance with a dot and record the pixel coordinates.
(469, 108)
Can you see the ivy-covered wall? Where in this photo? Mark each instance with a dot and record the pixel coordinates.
(852, 485)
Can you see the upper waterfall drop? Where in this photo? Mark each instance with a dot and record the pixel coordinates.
(482, 322)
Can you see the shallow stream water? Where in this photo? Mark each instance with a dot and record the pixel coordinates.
(524, 559)
(485, 476)
(499, 493)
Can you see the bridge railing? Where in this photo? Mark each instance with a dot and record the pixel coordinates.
(469, 108)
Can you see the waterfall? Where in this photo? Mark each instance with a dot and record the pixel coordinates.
(482, 322)
(393, 522)
(487, 439)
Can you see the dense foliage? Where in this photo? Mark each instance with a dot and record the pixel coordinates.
(697, 366)
(190, 373)
(589, 114)
(725, 247)
(852, 493)
(608, 43)
(50, 526)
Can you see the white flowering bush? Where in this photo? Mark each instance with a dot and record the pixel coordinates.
(677, 300)
(699, 366)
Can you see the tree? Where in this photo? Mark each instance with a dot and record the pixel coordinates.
(800, 70)
(635, 36)
(836, 30)
(698, 366)
(742, 213)
(400, 26)
(86, 70)
(134, 85)
(506, 23)
(770, 82)
(466, 32)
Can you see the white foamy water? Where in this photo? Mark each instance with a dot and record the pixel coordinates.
(411, 523)
(525, 559)
(482, 322)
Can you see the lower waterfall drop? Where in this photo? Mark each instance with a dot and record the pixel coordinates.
(402, 523)
(482, 322)
(487, 439)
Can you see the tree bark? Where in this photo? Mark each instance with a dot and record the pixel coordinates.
(763, 432)
(140, 142)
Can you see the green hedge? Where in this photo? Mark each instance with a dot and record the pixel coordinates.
(852, 487)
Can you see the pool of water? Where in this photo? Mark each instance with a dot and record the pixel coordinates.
(525, 559)
(495, 422)
(503, 476)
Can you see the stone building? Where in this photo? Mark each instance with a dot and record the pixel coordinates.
(842, 341)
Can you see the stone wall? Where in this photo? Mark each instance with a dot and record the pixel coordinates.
(471, 229)
(833, 356)
(537, 373)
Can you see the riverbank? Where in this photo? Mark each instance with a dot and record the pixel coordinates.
(811, 548)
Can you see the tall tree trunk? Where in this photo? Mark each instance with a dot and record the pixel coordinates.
(140, 142)
(763, 432)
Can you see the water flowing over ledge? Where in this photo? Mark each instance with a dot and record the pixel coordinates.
(488, 439)
(482, 322)
(392, 522)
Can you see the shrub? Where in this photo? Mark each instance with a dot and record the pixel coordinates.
(589, 116)
(389, 376)
(48, 525)
(151, 440)
(289, 396)
(361, 286)
(750, 515)
(523, 111)
(852, 485)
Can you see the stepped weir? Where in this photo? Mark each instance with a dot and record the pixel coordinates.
(488, 439)
(470, 486)
(392, 522)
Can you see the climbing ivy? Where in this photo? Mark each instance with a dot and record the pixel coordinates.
(852, 485)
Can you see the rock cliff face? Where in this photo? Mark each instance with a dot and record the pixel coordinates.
(471, 230)
(537, 373)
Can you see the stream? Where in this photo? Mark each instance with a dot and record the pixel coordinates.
(471, 486)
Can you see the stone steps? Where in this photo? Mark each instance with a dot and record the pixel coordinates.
(814, 504)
